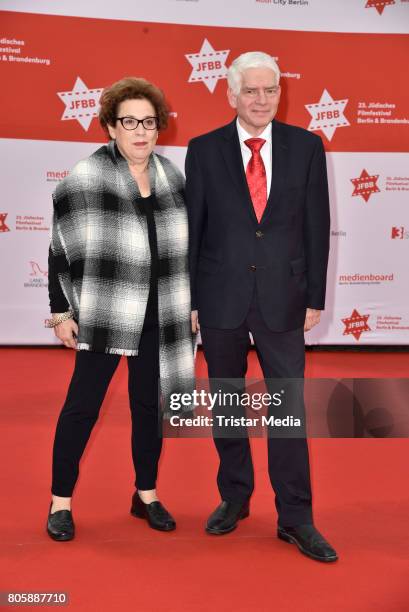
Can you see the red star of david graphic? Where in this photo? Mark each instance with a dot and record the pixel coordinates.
(379, 4)
(356, 324)
(3, 226)
(365, 185)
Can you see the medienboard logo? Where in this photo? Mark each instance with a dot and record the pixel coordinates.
(54, 176)
(208, 65)
(327, 115)
(81, 103)
(379, 5)
(356, 325)
(371, 278)
(365, 185)
(3, 226)
(399, 233)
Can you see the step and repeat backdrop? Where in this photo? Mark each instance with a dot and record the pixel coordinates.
(344, 76)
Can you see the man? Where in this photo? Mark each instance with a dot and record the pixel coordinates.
(257, 198)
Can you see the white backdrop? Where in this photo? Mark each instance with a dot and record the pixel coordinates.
(368, 276)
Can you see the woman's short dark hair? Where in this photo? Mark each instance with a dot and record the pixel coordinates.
(131, 88)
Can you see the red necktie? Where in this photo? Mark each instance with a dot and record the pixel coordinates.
(256, 176)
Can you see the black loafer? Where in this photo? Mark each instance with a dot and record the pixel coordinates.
(156, 514)
(60, 525)
(226, 516)
(309, 541)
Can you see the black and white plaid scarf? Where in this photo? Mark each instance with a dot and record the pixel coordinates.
(103, 237)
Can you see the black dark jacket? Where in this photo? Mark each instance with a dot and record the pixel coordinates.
(286, 255)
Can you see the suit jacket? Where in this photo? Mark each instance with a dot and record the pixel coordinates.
(285, 255)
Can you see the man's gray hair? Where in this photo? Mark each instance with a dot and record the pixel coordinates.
(252, 59)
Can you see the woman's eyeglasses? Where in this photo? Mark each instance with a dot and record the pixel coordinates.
(130, 123)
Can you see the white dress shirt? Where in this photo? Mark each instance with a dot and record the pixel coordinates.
(265, 151)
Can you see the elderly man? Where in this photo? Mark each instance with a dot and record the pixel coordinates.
(257, 198)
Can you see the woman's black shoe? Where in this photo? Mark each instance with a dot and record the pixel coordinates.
(60, 526)
(156, 515)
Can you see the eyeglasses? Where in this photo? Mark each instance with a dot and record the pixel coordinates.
(130, 123)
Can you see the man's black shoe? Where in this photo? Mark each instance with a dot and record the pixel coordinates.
(60, 525)
(309, 541)
(156, 515)
(226, 516)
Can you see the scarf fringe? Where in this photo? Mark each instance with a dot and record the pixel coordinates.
(82, 346)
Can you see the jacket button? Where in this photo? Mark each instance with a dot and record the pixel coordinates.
(253, 268)
(259, 234)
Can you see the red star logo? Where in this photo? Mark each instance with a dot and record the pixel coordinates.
(379, 4)
(3, 226)
(365, 185)
(356, 324)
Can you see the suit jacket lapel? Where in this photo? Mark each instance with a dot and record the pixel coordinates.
(234, 161)
(279, 168)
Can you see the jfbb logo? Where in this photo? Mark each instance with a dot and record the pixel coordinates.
(3, 226)
(208, 65)
(399, 233)
(365, 185)
(327, 115)
(379, 5)
(356, 324)
(81, 103)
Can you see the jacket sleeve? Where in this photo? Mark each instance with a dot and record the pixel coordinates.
(317, 229)
(195, 203)
(57, 264)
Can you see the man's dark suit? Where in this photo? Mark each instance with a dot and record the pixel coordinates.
(258, 277)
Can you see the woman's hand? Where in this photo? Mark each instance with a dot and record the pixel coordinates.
(67, 332)
(195, 321)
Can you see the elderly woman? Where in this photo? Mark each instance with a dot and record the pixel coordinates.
(119, 285)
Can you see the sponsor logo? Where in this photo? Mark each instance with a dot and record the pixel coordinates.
(365, 185)
(365, 279)
(3, 226)
(399, 233)
(81, 103)
(208, 65)
(54, 176)
(36, 270)
(379, 5)
(327, 115)
(356, 324)
(38, 277)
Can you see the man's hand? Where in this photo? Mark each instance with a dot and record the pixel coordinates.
(195, 321)
(312, 318)
(67, 332)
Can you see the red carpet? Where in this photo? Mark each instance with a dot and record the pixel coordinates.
(116, 562)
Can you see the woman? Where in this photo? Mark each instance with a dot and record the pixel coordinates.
(119, 285)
